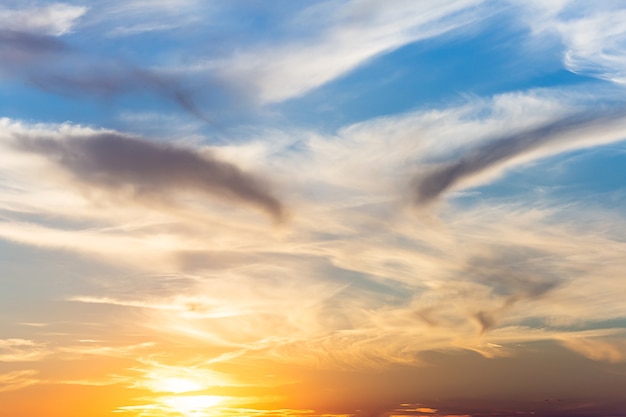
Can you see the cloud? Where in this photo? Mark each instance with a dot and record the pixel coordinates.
(21, 350)
(20, 49)
(41, 59)
(17, 379)
(147, 171)
(356, 281)
(93, 349)
(81, 76)
(578, 130)
(338, 37)
(135, 17)
(611, 348)
(55, 19)
(592, 34)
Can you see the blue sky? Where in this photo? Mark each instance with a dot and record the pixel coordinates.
(224, 207)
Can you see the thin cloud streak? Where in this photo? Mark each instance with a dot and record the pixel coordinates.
(17, 380)
(52, 65)
(570, 131)
(345, 35)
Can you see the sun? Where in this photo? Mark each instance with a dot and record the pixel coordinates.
(183, 391)
(186, 405)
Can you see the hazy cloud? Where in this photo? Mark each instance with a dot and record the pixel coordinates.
(608, 348)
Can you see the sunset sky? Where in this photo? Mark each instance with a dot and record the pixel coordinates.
(340, 208)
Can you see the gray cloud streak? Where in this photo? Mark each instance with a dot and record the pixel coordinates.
(113, 161)
(515, 274)
(19, 48)
(432, 185)
(51, 65)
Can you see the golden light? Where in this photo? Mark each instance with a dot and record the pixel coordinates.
(180, 391)
(179, 379)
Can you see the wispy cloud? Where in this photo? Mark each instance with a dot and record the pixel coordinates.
(598, 345)
(338, 38)
(22, 350)
(34, 53)
(592, 34)
(97, 349)
(55, 19)
(18, 379)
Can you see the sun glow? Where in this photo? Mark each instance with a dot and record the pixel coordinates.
(180, 391)
(177, 385)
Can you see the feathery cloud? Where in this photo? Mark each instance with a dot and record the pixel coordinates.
(340, 37)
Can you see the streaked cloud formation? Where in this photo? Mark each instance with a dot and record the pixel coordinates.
(454, 247)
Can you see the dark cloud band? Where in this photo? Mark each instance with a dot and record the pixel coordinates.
(113, 161)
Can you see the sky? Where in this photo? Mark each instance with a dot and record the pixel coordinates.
(347, 208)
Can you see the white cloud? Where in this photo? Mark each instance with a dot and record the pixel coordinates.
(596, 45)
(345, 35)
(592, 33)
(55, 19)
